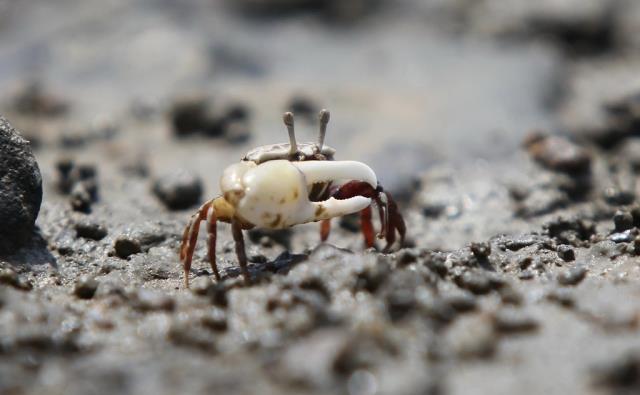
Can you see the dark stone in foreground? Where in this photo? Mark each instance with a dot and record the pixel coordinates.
(20, 189)
(178, 190)
(85, 287)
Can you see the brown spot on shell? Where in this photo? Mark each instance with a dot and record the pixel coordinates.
(319, 210)
(283, 201)
(276, 221)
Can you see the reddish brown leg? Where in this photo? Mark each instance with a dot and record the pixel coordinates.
(325, 229)
(211, 238)
(189, 239)
(367, 227)
(236, 229)
(390, 217)
(395, 221)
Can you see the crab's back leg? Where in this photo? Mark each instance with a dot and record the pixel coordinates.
(212, 233)
(236, 228)
(390, 217)
(325, 229)
(367, 227)
(189, 239)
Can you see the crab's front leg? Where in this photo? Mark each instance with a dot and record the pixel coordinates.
(190, 237)
(390, 218)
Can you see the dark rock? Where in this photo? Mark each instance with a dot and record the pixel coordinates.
(622, 220)
(566, 253)
(191, 115)
(89, 229)
(86, 286)
(558, 154)
(126, 246)
(178, 190)
(570, 231)
(572, 276)
(20, 189)
(525, 262)
(407, 256)
(510, 320)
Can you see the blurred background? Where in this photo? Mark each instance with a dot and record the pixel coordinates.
(426, 80)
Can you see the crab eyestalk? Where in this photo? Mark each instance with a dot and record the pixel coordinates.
(324, 116)
(288, 121)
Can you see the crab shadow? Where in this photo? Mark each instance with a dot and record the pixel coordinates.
(282, 264)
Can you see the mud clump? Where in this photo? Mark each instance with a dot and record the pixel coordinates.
(20, 189)
(178, 190)
(197, 115)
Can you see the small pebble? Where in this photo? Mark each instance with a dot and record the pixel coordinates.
(86, 286)
(89, 229)
(178, 190)
(572, 276)
(125, 247)
(566, 253)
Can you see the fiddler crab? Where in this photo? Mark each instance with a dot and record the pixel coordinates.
(280, 185)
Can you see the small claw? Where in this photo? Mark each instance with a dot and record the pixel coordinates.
(321, 171)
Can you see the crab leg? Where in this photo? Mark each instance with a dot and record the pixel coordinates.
(367, 227)
(189, 239)
(390, 218)
(236, 229)
(325, 229)
(212, 233)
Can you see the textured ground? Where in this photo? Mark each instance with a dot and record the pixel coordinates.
(507, 130)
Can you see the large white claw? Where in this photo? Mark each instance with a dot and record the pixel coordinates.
(320, 171)
(275, 194)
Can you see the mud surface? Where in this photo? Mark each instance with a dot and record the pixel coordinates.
(509, 133)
